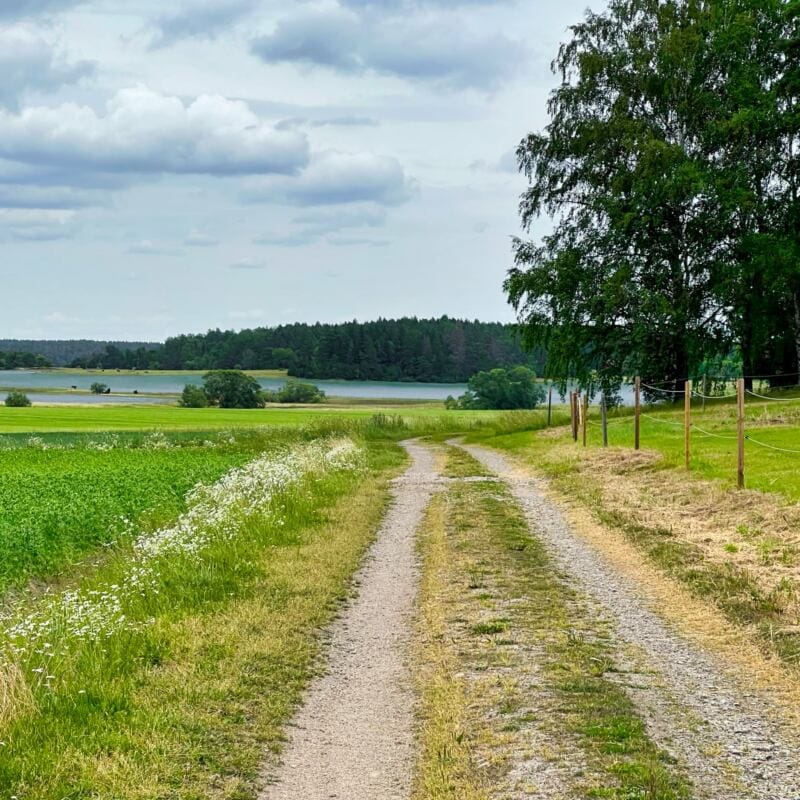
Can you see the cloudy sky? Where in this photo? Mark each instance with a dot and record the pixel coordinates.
(168, 167)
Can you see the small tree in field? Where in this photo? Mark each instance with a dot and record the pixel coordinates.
(17, 400)
(193, 397)
(503, 389)
(232, 388)
(99, 388)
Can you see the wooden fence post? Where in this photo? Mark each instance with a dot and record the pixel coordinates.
(637, 411)
(687, 423)
(573, 402)
(705, 389)
(585, 416)
(550, 406)
(604, 416)
(740, 431)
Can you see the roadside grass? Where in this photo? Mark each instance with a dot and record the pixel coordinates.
(184, 701)
(516, 670)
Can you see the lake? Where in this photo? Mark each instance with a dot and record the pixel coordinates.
(170, 384)
(166, 384)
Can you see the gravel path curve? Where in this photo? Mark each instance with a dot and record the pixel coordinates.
(353, 739)
(720, 729)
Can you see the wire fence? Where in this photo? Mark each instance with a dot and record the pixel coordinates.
(579, 407)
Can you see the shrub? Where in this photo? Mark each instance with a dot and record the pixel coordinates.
(502, 389)
(99, 388)
(17, 400)
(295, 391)
(232, 388)
(193, 397)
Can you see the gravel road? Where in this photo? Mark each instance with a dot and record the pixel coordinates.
(353, 739)
(721, 731)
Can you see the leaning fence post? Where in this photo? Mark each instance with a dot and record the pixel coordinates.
(604, 416)
(740, 431)
(687, 422)
(637, 411)
(585, 416)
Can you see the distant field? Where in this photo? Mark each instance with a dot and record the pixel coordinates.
(42, 419)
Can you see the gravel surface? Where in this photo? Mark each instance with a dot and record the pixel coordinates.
(722, 732)
(353, 739)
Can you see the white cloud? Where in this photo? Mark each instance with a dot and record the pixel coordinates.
(35, 225)
(200, 239)
(28, 62)
(143, 131)
(436, 48)
(335, 178)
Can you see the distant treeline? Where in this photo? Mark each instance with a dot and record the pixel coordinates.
(410, 349)
(63, 353)
(23, 360)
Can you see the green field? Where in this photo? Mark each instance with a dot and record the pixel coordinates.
(41, 419)
(61, 497)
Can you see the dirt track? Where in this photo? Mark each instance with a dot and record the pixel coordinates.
(353, 738)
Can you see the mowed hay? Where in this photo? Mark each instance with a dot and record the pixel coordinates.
(751, 530)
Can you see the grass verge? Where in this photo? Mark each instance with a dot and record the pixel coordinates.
(517, 686)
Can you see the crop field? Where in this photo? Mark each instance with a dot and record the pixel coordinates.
(157, 539)
(61, 497)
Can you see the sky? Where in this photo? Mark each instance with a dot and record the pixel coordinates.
(170, 167)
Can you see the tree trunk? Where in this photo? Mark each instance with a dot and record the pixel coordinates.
(797, 327)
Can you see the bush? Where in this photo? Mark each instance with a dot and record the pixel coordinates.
(17, 400)
(502, 389)
(193, 397)
(295, 391)
(232, 388)
(99, 388)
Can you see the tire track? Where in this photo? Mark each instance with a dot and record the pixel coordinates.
(354, 738)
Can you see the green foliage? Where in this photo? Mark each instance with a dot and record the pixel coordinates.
(667, 164)
(99, 388)
(294, 391)
(23, 360)
(193, 396)
(501, 389)
(17, 400)
(232, 388)
(447, 350)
